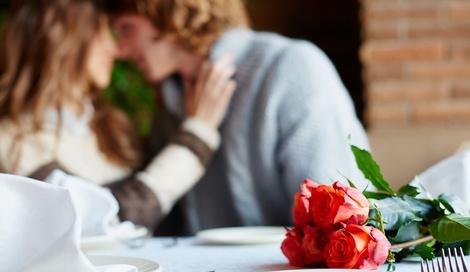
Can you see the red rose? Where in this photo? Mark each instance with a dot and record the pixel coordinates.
(313, 244)
(291, 247)
(357, 247)
(337, 204)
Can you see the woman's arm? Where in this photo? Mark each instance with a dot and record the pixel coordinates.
(150, 194)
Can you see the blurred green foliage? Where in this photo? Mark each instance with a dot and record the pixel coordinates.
(130, 92)
(128, 89)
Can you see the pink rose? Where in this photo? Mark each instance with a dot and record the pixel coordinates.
(378, 251)
(355, 208)
(337, 204)
(358, 247)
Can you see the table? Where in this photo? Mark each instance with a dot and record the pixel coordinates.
(190, 254)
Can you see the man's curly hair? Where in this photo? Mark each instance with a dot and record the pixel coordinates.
(194, 23)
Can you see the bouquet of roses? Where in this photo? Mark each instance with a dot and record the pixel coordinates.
(340, 227)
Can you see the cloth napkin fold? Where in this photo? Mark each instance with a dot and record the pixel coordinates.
(39, 228)
(96, 205)
(450, 176)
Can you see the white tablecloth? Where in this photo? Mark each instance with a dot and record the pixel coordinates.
(190, 254)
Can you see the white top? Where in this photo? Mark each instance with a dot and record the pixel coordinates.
(171, 174)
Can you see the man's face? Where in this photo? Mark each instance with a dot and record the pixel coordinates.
(156, 58)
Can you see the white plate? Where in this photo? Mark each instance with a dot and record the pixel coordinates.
(142, 265)
(243, 235)
(94, 242)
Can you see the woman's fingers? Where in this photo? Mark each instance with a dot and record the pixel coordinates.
(207, 99)
(222, 79)
(216, 107)
(189, 96)
(202, 77)
(218, 70)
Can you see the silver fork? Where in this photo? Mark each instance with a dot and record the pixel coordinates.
(446, 266)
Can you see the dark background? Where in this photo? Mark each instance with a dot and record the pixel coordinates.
(333, 25)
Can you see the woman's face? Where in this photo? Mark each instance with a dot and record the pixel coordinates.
(101, 57)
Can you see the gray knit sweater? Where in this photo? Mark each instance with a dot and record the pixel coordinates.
(289, 119)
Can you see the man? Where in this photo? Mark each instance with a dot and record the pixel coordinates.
(289, 118)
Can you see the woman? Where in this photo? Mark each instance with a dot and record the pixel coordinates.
(55, 58)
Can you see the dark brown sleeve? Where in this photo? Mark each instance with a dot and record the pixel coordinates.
(165, 130)
(196, 145)
(44, 171)
(137, 202)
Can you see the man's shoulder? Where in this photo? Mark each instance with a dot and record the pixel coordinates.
(287, 49)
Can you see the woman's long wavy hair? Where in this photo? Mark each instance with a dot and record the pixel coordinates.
(43, 54)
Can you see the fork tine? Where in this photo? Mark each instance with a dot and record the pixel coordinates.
(427, 265)
(443, 265)
(449, 258)
(462, 258)
(433, 267)
(443, 260)
(456, 260)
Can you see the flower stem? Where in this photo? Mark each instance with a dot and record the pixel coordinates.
(413, 242)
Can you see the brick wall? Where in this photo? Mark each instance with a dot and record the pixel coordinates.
(416, 57)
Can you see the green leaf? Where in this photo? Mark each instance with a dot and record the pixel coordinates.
(408, 190)
(427, 209)
(395, 212)
(374, 195)
(451, 228)
(425, 252)
(454, 204)
(406, 233)
(371, 170)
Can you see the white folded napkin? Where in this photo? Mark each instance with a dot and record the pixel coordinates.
(96, 205)
(39, 228)
(450, 176)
